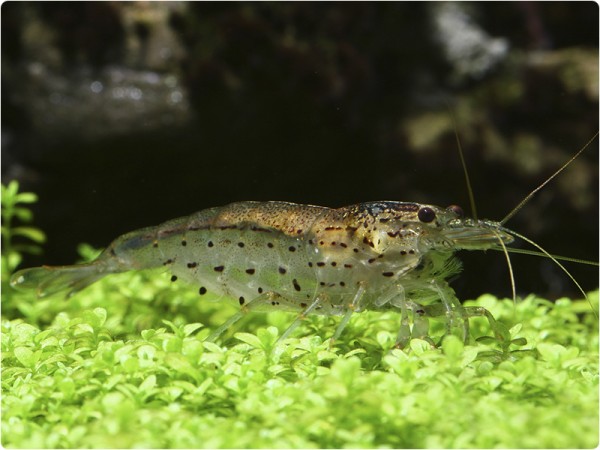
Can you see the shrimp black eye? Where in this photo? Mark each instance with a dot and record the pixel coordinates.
(426, 215)
(456, 210)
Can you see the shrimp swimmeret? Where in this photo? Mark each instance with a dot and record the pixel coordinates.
(268, 256)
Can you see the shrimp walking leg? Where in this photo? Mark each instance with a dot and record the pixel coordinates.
(455, 313)
(316, 302)
(266, 298)
(500, 331)
(352, 307)
(420, 325)
(404, 334)
(465, 313)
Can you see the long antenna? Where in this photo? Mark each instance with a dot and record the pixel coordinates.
(532, 193)
(506, 230)
(464, 166)
(525, 251)
(509, 265)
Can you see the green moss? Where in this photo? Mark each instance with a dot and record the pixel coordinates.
(107, 371)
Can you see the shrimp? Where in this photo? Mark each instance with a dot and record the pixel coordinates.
(375, 256)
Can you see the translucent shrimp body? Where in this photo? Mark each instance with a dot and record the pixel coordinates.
(310, 259)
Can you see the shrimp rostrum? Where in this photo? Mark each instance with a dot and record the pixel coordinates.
(314, 260)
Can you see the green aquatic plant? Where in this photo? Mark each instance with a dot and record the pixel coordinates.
(82, 382)
(17, 240)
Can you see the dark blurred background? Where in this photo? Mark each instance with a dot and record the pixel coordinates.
(123, 115)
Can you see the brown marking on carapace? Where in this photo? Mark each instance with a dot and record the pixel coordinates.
(287, 218)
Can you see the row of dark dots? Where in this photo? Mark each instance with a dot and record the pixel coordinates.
(332, 243)
(342, 244)
(323, 283)
(333, 263)
(211, 244)
(240, 244)
(192, 265)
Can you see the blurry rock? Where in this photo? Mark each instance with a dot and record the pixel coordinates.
(88, 104)
(468, 47)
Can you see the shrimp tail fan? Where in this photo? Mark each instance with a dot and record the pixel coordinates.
(49, 280)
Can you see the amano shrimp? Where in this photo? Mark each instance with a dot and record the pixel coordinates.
(384, 255)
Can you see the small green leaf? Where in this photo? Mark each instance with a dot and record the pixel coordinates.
(23, 214)
(101, 314)
(172, 343)
(516, 329)
(148, 334)
(87, 252)
(31, 233)
(172, 393)
(485, 368)
(13, 260)
(212, 347)
(112, 400)
(385, 339)
(268, 336)
(95, 318)
(178, 363)
(419, 346)
(469, 355)
(26, 197)
(148, 384)
(11, 190)
(249, 339)
(26, 356)
(146, 352)
(356, 351)
(130, 364)
(190, 328)
(452, 347)
(550, 352)
(39, 337)
(487, 340)
(174, 328)
(67, 387)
